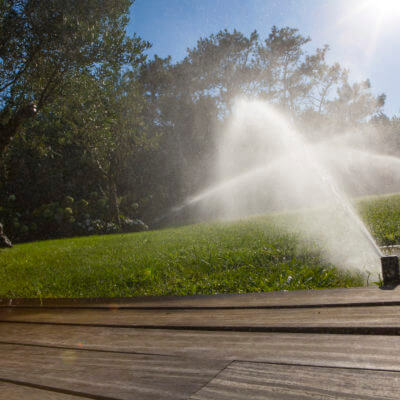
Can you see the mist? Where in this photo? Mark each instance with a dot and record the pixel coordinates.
(265, 165)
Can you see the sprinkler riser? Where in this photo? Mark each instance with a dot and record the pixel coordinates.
(390, 270)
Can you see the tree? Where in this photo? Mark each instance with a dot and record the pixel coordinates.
(123, 131)
(46, 44)
(187, 100)
(53, 49)
(182, 116)
(81, 148)
(222, 65)
(134, 131)
(322, 78)
(355, 103)
(280, 62)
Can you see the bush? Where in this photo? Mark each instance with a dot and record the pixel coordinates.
(132, 225)
(63, 219)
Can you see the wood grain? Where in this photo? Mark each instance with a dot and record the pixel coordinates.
(10, 391)
(365, 351)
(301, 298)
(119, 376)
(260, 381)
(350, 318)
(172, 348)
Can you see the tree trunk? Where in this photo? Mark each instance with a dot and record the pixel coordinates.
(5, 138)
(7, 131)
(10, 128)
(113, 208)
(4, 240)
(113, 203)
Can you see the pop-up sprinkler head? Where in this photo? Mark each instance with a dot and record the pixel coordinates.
(390, 271)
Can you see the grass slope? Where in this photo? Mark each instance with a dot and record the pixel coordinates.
(247, 256)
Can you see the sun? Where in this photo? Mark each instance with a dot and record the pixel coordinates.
(368, 20)
(378, 10)
(383, 10)
(386, 7)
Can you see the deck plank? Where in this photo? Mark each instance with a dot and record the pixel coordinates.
(364, 351)
(173, 347)
(10, 391)
(119, 376)
(260, 381)
(369, 318)
(371, 295)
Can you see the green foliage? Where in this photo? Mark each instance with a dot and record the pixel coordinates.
(47, 46)
(65, 218)
(73, 61)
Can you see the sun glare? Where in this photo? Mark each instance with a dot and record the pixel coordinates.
(382, 9)
(367, 20)
(387, 7)
(378, 10)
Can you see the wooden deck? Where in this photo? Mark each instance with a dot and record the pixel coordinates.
(327, 344)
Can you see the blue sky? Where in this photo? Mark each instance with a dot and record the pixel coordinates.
(363, 34)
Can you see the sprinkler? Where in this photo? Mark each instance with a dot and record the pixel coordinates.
(390, 271)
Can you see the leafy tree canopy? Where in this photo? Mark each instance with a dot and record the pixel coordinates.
(44, 45)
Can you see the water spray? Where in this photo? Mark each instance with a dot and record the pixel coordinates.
(260, 146)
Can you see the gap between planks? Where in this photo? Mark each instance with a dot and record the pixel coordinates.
(259, 381)
(292, 299)
(381, 352)
(224, 372)
(193, 358)
(325, 330)
(351, 320)
(107, 375)
(205, 307)
(43, 392)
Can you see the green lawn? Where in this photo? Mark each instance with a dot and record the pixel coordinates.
(246, 256)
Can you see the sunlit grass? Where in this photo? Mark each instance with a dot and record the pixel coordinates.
(246, 256)
(382, 216)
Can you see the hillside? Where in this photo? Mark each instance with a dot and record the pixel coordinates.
(251, 255)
